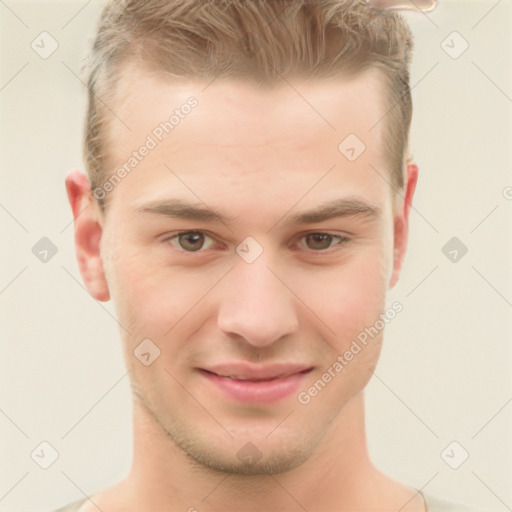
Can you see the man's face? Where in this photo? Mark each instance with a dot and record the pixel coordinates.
(289, 301)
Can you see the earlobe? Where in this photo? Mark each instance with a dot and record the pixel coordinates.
(401, 223)
(88, 233)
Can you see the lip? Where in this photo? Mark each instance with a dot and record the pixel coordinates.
(249, 383)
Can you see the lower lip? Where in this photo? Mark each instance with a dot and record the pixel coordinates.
(257, 391)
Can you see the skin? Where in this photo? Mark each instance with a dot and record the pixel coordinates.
(259, 156)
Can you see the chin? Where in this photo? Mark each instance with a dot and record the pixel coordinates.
(247, 460)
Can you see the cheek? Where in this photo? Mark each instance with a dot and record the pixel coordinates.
(357, 306)
(152, 299)
(133, 285)
(352, 299)
(348, 297)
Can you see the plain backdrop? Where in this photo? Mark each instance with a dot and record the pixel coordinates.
(445, 370)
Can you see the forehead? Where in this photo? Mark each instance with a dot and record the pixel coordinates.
(240, 135)
(234, 112)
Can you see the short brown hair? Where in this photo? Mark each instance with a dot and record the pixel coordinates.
(254, 40)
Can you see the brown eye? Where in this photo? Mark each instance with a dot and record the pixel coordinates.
(191, 241)
(322, 242)
(319, 241)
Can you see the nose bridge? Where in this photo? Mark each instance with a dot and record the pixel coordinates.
(255, 304)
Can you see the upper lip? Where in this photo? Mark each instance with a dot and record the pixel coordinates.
(246, 371)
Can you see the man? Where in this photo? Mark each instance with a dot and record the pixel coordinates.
(246, 209)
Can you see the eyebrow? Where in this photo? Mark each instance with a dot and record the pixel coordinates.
(334, 209)
(342, 207)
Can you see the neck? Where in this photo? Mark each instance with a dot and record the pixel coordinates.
(337, 477)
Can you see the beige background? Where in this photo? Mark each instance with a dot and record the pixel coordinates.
(445, 370)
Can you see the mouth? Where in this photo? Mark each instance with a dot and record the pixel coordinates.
(258, 379)
(256, 386)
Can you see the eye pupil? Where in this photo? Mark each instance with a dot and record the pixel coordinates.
(191, 241)
(323, 239)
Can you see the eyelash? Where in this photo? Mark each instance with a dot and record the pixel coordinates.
(341, 240)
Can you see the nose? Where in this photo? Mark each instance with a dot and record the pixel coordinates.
(256, 305)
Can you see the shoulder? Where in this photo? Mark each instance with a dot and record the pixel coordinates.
(437, 504)
(71, 507)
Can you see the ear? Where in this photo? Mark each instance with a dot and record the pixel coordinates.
(401, 223)
(88, 232)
